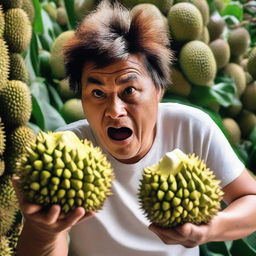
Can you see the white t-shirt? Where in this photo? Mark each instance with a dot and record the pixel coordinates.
(120, 228)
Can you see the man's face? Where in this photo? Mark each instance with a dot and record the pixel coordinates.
(120, 102)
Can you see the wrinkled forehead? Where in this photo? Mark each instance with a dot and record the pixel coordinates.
(133, 64)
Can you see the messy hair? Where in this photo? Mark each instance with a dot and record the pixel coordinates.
(111, 33)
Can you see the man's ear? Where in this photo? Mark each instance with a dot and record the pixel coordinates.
(160, 95)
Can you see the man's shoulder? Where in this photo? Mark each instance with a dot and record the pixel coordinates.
(80, 128)
(182, 112)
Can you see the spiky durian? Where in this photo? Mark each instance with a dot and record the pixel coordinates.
(61, 169)
(72, 110)
(221, 52)
(17, 141)
(198, 63)
(28, 7)
(18, 30)
(15, 100)
(239, 41)
(7, 218)
(5, 249)
(8, 200)
(2, 165)
(4, 63)
(1, 22)
(251, 64)
(57, 58)
(2, 138)
(185, 22)
(18, 70)
(8, 4)
(179, 189)
(236, 72)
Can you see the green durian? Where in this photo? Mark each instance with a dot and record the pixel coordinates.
(2, 138)
(198, 63)
(18, 30)
(8, 199)
(179, 189)
(18, 70)
(7, 219)
(251, 64)
(14, 234)
(4, 63)
(28, 7)
(5, 249)
(17, 141)
(1, 22)
(62, 169)
(2, 165)
(15, 99)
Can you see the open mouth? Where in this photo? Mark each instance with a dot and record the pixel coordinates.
(119, 133)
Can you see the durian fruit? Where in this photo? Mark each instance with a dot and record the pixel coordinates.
(18, 70)
(251, 64)
(239, 41)
(233, 130)
(18, 30)
(57, 58)
(234, 109)
(8, 199)
(2, 138)
(179, 189)
(17, 141)
(14, 235)
(7, 218)
(8, 4)
(216, 26)
(64, 90)
(1, 22)
(204, 36)
(72, 110)
(198, 63)
(221, 52)
(247, 122)
(236, 72)
(163, 5)
(4, 63)
(61, 169)
(185, 22)
(16, 103)
(179, 85)
(51, 9)
(5, 249)
(28, 7)
(83, 7)
(249, 97)
(62, 17)
(2, 165)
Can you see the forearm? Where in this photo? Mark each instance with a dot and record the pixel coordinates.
(236, 221)
(35, 242)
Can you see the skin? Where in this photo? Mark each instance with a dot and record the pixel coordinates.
(108, 102)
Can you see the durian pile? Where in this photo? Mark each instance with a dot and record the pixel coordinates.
(61, 169)
(207, 47)
(179, 189)
(16, 106)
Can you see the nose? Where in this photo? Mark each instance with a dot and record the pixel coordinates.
(115, 107)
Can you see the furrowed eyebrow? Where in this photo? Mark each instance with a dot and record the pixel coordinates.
(127, 79)
(92, 80)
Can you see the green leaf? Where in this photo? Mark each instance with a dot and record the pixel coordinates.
(233, 9)
(250, 241)
(252, 136)
(38, 23)
(47, 117)
(56, 97)
(205, 251)
(239, 248)
(34, 54)
(69, 5)
(219, 247)
(34, 127)
(231, 20)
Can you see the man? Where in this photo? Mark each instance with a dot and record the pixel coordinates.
(120, 65)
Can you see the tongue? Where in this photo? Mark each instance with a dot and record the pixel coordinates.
(119, 133)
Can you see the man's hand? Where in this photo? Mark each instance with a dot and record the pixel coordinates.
(188, 235)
